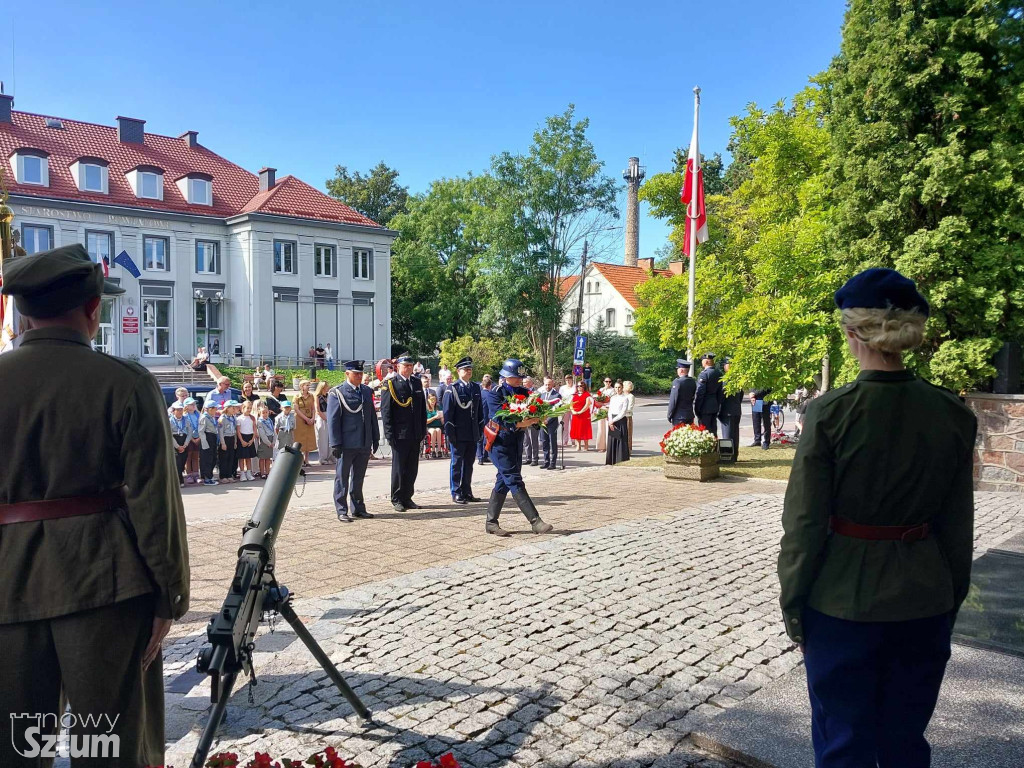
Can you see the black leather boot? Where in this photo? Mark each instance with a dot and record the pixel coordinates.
(530, 510)
(494, 505)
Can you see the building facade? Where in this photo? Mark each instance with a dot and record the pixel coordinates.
(252, 267)
(609, 295)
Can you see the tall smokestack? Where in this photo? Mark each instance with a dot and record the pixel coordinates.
(633, 175)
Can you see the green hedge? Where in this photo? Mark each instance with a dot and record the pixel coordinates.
(235, 373)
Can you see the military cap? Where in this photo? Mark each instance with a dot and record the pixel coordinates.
(513, 368)
(680, 363)
(405, 359)
(466, 362)
(879, 288)
(286, 403)
(709, 356)
(53, 282)
(189, 401)
(354, 365)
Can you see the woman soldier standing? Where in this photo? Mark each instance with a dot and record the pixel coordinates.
(878, 520)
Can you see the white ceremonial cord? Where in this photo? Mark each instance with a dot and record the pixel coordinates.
(458, 402)
(344, 403)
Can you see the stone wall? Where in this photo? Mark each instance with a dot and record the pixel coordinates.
(999, 457)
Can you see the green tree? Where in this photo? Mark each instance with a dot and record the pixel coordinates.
(377, 195)
(487, 353)
(539, 208)
(434, 266)
(928, 137)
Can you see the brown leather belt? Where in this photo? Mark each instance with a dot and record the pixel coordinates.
(53, 509)
(904, 533)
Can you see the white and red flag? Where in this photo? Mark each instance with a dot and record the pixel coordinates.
(694, 180)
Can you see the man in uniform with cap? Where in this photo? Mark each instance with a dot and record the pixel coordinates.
(680, 401)
(403, 410)
(463, 412)
(353, 435)
(730, 413)
(507, 452)
(707, 400)
(93, 553)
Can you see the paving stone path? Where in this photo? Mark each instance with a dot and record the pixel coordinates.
(603, 648)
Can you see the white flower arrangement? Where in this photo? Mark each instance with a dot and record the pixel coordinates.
(688, 440)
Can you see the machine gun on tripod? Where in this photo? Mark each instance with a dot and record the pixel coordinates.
(254, 593)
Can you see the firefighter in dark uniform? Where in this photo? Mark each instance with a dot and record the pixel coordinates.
(878, 521)
(463, 412)
(507, 453)
(707, 400)
(93, 553)
(403, 410)
(730, 413)
(353, 435)
(680, 401)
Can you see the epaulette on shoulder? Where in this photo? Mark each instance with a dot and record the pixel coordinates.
(136, 368)
(944, 390)
(832, 395)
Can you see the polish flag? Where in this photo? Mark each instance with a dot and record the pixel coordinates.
(693, 169)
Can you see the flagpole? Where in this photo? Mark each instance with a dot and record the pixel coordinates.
(693, 213)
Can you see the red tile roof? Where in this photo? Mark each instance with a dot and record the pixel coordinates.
(622, 278)
(235, 190)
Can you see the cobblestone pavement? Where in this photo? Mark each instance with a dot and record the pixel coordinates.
(604, 648)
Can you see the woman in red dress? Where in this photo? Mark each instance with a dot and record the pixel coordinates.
(580, 429)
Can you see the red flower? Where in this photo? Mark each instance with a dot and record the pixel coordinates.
(448, 761)
(532, 409)
(702, 428)
(520, 398)
(424, 764)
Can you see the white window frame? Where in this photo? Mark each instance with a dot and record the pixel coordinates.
(44, 170)
(158, 183)
(294, 258)
(154, 328)
(205, 186)
(107, 329)
(325, 260)
(630, 318)
(216, 257)
(167, 254)
(83, 170)
(49, 235)
(98, 258)
(609, 317)
(358, 273)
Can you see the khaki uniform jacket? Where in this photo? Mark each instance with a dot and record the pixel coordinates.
(886, 449)
(76, 423)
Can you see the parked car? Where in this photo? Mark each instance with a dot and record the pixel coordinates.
(197, 391)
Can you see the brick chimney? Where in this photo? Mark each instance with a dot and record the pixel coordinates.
(646, 264)
(130, 130)
(191, 138)
(268, 178)
(677, 267)
(6, 105)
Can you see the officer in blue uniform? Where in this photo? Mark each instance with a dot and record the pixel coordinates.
(354, 435)
(708, 398)
(507, 453)
(680, 402)
(463, 411)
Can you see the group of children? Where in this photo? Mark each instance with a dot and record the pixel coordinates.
(226, 436)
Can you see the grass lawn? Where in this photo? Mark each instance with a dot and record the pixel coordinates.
(773, 464)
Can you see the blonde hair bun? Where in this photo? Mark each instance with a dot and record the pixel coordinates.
(889, 331)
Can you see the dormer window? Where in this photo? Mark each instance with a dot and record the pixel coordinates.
(147, 181)
(197, 188)
(31, 166)
(90, 173)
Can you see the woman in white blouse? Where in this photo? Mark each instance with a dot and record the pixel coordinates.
(627, 389)
(618, 428)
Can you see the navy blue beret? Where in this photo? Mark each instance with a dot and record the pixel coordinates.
(879, 288)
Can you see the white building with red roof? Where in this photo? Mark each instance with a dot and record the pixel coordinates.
(608, 295)
(248, 265)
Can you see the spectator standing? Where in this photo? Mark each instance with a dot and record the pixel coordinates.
(219, 395)
(444, 374)
(180, 396)
(618, 431)
(246, 450)
(418, 369)
(761, 411)
(181, 434)
(265, 440)
(588, 376)
(273, 400)
(531, 436)
(247, 392)
(482, 455)
(627, 389)
(284, 426)
(878, 523)
(328, 356)
(444, 385)
(209, 442)
(605, 392)
(305, 420)
(581, 429)
(323, 440)
(320, 355)
(192, 468)
(229, 443)
(549, 436)
(566, 392)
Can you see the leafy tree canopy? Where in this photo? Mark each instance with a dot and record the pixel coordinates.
(377, 195)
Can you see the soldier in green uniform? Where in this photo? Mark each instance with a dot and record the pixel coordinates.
(93, 556)
(878, 520)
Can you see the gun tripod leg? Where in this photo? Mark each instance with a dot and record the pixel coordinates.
(216, 716)
(285, 609)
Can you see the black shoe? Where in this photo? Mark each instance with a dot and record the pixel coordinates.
(534, 463)
(471, 497)
(765, 447)
(398, 507)
(344, 519)
(486, 461)
(410, 504)
(363, 514)
(480, 462)
(459, 500)
(754, 444)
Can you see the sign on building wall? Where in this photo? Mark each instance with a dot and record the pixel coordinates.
(129, 321)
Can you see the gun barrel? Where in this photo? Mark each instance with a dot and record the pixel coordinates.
(265, 523)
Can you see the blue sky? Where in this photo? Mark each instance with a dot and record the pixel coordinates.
(433, 89)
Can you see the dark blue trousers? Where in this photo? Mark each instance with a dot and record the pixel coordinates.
(481, 454)
(348, 481)
(461, 481)
(873, 687)
(549, 441)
